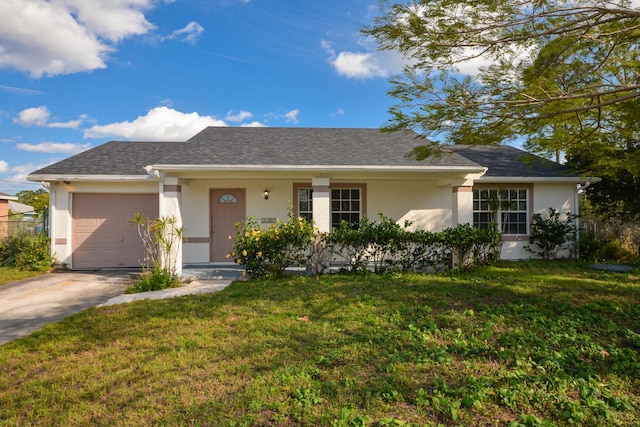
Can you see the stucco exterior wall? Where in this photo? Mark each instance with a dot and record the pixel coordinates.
(559, 196)
(426, 202)
(196, 209)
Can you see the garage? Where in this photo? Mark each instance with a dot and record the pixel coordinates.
(102, 233)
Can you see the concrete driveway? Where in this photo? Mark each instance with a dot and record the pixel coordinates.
(27, 305)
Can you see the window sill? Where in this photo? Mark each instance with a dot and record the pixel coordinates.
(515, 237)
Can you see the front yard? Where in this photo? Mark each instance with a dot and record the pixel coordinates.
(521, 344)
(11, 274)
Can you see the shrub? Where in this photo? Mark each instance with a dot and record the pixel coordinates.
(159, 238)
(25, 252)
(467, 246)
(550, 234)
(594, 248)
(422, 250)
(268, 252)
(384, 245)
(153, 279)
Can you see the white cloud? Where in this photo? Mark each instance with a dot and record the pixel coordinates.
(159, 124)
(253, 124)
(54, 147)
(338, 112)
(20, 90)
(71, 124)
(189, 33)
(39, 116)
(292, 116)
(66, 36)
(4, 166)
(19, 177)
(366, 64)
(36, 116)
(241, 116)
(358, 65)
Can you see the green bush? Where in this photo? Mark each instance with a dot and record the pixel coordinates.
(25, 252)
(154, 279)
(595, 248)
(550, 234)
(468, 246)
(367, 243)
(268, 252)
(384, 245)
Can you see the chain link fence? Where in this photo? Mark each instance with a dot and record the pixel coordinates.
(17, 225)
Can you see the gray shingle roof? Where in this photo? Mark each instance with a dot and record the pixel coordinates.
(290, 147)
(507, 161)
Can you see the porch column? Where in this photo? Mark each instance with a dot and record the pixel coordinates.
(321, 204)
(462, 205)
(171, 206)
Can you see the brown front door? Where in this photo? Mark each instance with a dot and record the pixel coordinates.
(227, 208)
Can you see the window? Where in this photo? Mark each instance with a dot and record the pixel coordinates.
(508, 208)
(345, 206)
(227, 198)
(305, 203)
(347, 202)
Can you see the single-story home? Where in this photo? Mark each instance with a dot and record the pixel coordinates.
(223, 174)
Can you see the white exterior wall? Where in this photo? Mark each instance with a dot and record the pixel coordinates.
(425, 203)
(196, 207)
(560, 196)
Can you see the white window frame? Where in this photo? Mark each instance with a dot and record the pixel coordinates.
(522, 208)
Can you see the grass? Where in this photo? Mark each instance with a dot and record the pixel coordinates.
(522, 344)
(10, 274)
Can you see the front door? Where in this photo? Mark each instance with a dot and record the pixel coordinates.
(227, 208)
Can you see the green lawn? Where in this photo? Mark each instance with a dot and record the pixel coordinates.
(10, 274)
(528, 344)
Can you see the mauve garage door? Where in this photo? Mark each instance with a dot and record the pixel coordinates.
(102, 233)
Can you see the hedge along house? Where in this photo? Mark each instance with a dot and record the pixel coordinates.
(221, 175)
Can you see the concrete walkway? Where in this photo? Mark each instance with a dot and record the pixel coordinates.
(28, 305)
(192, 288)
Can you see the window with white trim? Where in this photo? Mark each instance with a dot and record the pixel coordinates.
(508, 208)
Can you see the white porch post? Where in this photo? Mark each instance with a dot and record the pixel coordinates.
(171, 205)
(462, 205)
(321, 204)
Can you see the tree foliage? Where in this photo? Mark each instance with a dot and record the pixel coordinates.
(38, 199)
(554, 72)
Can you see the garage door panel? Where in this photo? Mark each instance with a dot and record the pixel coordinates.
(103, 234)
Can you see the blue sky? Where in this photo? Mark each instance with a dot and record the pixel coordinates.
(77, 73)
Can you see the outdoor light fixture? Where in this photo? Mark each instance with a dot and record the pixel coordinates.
(67, 182)
(266, 194)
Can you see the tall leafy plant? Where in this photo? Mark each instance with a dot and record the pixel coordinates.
(551, 233)
(160, 238)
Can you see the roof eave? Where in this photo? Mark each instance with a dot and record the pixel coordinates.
(314, 168)
(79, 177)
(529, 179)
